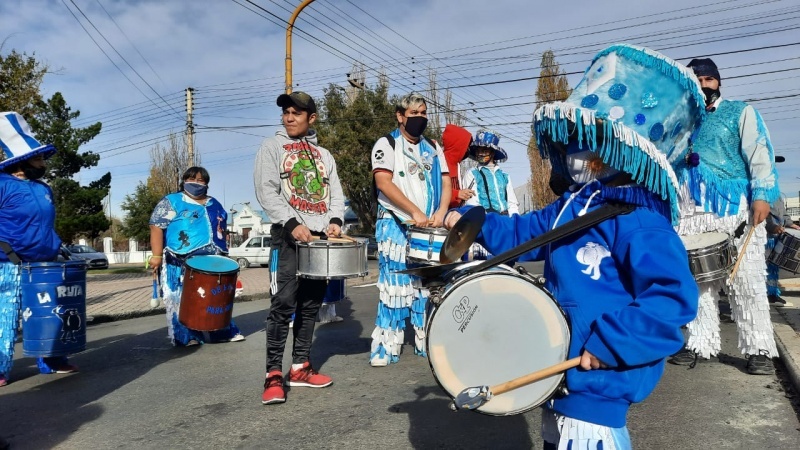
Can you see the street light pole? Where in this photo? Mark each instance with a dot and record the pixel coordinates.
(289, 26)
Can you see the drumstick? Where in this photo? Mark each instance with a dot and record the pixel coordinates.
(475, 397)
(348, 238)
(741, 254)
(333, 239)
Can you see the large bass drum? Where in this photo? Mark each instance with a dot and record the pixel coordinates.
(492, 327)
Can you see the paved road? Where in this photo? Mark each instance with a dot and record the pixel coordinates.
(136, 391)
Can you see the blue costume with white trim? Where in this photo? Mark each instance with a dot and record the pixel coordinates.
(417, 170)
(190, 229)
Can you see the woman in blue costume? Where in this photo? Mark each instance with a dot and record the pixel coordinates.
(27, 218)
(183, 224)
(624, 284)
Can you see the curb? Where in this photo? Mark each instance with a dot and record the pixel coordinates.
(97, 319)
(786, 338)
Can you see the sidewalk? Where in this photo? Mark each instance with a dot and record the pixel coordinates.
(112, 297)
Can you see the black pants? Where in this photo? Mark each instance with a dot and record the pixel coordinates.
(290, 295)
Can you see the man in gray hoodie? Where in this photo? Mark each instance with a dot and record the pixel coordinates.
(297, 185)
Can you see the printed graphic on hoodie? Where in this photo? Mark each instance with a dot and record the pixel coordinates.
(304, 179)
(592, 255)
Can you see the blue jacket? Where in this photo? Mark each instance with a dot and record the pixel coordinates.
(625, 286)
(27, 219)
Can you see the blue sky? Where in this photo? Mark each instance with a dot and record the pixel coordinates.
(232, 54)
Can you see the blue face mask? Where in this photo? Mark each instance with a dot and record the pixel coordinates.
(196, 190)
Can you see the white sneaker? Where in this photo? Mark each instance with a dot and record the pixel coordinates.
(379, 361)
(238, 338)
(192, 343)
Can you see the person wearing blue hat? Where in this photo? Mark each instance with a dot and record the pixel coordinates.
(493, 188)
(731, 179)
(27, 229)
(624, 283)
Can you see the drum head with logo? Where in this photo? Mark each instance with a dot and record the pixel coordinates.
(212, 264)
(492, 327)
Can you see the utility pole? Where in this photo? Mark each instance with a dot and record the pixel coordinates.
(289, 26)
(189, 125)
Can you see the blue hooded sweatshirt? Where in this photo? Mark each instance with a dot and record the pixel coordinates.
(625, 286)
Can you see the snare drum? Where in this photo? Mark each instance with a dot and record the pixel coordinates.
(425, 244)
(209, 286)
(476, 333)
(326, 260)
(786, 253)
(711, 255)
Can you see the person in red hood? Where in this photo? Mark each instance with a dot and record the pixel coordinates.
(456, 142)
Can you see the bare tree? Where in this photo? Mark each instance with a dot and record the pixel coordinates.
(551, 87)
(167, 163)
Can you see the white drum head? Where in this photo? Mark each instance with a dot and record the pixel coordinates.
(703, 240)
(492, 327)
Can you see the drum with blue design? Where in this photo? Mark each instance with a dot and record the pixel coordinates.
(209, 286)
(425, 245)
(53, 308)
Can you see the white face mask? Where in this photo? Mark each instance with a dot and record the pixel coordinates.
(578, 167)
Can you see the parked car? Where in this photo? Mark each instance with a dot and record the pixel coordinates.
(254, 250)
(93, 258)
(372, 245)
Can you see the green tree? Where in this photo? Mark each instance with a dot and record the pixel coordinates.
(20, 79)
(139, 206)
(349, 127)
(79, 209)
(552, 86)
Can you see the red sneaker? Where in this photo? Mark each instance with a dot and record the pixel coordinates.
(273, 388)
(308, 377)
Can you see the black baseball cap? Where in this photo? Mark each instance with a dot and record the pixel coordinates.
(299, 100)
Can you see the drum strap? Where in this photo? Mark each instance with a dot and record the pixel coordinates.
(581, 223)
(10, 254)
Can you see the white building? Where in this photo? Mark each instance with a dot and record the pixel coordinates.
(248, 221)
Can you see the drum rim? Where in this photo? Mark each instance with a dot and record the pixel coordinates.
(424, 230)
(461, 280)
(325, 244)
(68, 262)
(205, 271)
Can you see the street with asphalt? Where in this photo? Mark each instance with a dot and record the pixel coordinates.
(135, 390)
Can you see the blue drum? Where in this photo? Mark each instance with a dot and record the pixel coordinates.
(53, 308)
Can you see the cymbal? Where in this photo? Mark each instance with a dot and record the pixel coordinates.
(433, 271)
(462, 235)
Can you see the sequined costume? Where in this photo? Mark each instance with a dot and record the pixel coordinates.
(735, 168)
(190, 229)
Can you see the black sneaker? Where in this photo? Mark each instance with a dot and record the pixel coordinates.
(760, 364)
(684, 357)
(778, 301)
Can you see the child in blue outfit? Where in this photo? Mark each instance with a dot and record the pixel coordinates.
(624, 284)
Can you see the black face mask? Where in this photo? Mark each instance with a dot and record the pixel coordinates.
(34, 173)
(416, 125)
(711, 95)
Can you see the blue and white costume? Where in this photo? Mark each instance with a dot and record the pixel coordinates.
(27, 224)
(624, 284)
(736, 168)
(417, 171)
(190, 229)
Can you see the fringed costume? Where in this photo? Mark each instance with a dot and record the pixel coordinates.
(417, 169)
(735, 168)
(615, 137)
